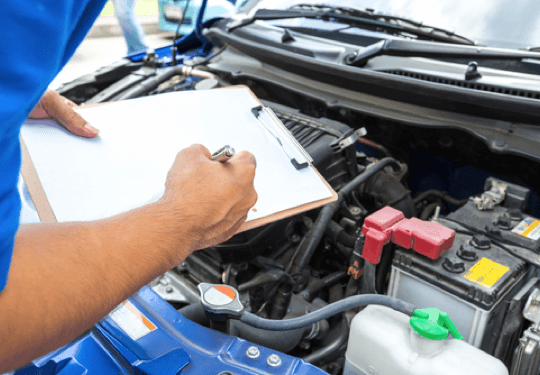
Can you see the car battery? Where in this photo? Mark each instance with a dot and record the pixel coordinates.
(503, 221)
(472, 283)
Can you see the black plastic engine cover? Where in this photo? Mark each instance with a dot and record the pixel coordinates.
(315, 135)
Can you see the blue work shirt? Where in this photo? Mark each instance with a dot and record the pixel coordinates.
(37, 39)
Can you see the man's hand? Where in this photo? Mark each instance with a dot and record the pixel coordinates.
(54, 106)
(211, 198)
(204, 204)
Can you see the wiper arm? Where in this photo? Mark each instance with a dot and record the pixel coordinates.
(405, 24)
(367, 22)
(413, 48)
(274, 14)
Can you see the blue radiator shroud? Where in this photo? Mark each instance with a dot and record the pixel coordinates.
(177, 346)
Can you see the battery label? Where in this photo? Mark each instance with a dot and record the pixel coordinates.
(529, 228)
(486, 272)
(131, 320)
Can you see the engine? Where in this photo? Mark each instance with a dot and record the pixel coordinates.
(295, 266)
(483, 276)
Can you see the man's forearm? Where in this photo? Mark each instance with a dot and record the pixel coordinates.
(65, 277)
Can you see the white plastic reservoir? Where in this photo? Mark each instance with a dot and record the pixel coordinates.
(382, 342)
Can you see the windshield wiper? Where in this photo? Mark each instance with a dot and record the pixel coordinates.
(352, 17)
(406, 24)
(413, 48)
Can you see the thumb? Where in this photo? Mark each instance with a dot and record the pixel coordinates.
(57, 107)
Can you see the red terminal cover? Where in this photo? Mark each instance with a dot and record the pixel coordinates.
(425, 237)
(377, 229)
(388, 224)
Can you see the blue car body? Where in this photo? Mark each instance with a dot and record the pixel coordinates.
(170, 12)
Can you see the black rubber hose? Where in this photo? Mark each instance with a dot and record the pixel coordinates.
(386, 190)
(195, 313)
(326, 312)
(328, 281)
(282, 250)
(345, 252)
(429, 210)
(337, 234)
(440, 194)
(333, 347)
(271, 339)
(376, 146)
(151, 83)
(315, 234)
(368, 281)
(384, 266)
(266, 277)
(370, 171)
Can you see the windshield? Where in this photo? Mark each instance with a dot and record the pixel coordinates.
(495, 23)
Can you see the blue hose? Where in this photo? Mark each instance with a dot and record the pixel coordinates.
(326, 312)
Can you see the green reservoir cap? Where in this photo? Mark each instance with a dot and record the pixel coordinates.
(433, 324)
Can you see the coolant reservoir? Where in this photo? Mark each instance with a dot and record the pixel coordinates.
(383, 342)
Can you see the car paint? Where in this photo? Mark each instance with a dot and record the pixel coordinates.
(214, 9)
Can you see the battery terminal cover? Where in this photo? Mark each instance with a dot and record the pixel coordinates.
(388, 224)
(433, 324)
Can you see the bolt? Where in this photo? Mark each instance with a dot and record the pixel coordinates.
(181, 267)
(274, 360)
(436, 214)
(304, 344)
(169, 289)
(253, 352)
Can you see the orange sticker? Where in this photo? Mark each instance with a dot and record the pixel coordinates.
(131, 320)
(226, 290)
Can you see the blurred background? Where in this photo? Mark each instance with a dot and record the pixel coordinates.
(105, 43)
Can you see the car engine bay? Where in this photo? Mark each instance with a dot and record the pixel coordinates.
(486, 280)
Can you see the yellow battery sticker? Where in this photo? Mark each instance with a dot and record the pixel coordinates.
(529, 228)
(486, 272)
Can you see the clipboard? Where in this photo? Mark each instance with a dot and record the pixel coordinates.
(295, 153)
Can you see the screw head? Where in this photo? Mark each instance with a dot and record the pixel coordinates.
(295, 238)
(169, 289)
(253, 352)
(273, 360)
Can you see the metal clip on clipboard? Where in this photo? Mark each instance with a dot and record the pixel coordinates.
(298, 164)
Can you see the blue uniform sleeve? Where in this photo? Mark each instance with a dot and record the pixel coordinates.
(38, 38)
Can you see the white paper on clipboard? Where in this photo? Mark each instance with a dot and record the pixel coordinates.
(126, 165)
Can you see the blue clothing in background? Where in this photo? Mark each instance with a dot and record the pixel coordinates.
(37, 39)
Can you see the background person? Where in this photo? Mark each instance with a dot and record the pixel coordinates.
(124, 10)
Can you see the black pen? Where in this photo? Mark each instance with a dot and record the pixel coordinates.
(223, 154)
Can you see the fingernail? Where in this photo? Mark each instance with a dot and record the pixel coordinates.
(90, 128)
